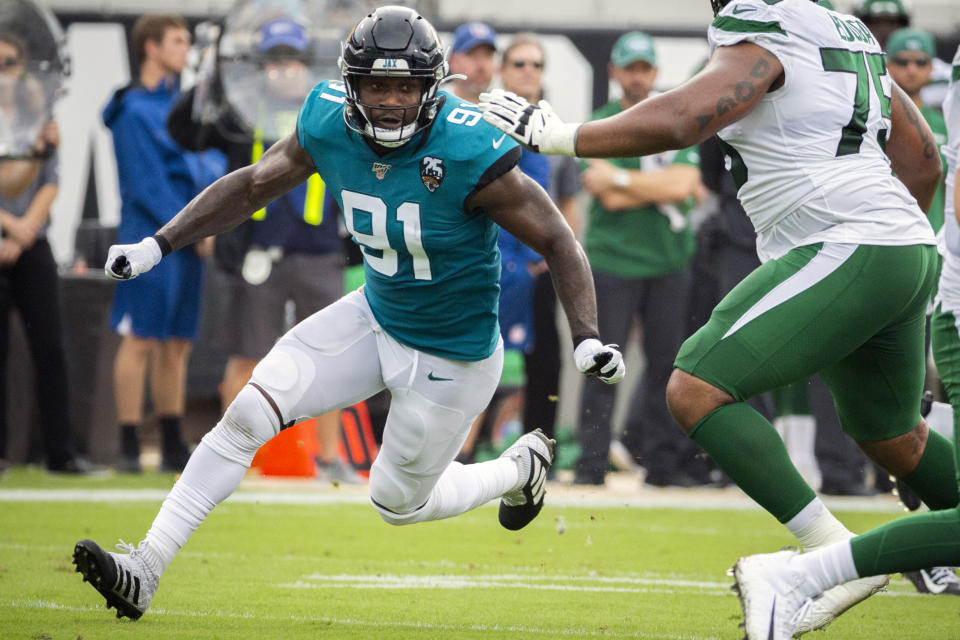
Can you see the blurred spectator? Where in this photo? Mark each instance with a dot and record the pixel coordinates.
(473, 55)
(21, 102)
(28, 272)
(23, 106)
(520, 266)
(910, 63)
(289, 252)
(883, 17)
(158, 315)
(910, 55)
(521, 71)
(640, 247)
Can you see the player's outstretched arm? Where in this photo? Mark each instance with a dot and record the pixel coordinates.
(237, 195)
(522, 207)
(221, 206)
(912, 149)
(734, 80)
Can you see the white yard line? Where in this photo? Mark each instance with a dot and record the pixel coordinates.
(586, 583)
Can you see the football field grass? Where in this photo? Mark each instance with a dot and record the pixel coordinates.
(317, 562)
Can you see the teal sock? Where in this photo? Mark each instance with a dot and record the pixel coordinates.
(935, 478)
(746, 446)
(916, 542)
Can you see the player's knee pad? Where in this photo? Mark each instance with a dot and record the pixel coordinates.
(288, 374)
(394, 498)
(399, 519)
(246, 425)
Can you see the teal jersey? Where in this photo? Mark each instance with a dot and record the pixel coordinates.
(432, 268)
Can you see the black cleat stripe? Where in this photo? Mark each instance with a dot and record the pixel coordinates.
(129, 584)
(136, 590)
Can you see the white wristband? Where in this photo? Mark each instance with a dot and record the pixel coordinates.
(151, 245)
(561, 139)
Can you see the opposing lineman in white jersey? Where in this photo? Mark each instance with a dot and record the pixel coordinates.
(810, 179)
(837, 168)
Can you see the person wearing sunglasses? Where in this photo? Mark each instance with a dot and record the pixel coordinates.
(528, 307)
(882, 18)
(910, 56)
(526, 313)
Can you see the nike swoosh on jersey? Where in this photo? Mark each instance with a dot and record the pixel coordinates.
(430, 376)
(497, 143)
(737, 10)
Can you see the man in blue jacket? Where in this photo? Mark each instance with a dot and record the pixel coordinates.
(158, 317)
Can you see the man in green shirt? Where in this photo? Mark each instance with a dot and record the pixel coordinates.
(640, 247)
(910, 54)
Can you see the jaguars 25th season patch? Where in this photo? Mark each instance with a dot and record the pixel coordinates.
(432, 172)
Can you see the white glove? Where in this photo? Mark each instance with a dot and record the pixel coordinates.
(604, 361)
(536, 127)
(126, 261)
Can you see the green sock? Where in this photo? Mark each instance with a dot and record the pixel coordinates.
(916, 542)
(935, 478)
(746, 446)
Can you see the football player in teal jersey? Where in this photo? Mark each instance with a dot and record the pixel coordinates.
(424, 184)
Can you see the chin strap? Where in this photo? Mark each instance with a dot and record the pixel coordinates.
(450, 78)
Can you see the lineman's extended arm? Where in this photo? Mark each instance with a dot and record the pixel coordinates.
(734, 80)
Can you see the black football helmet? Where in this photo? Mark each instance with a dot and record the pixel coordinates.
(392, 41)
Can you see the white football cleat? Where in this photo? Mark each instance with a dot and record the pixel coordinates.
(533, 453)
(936, 580)
(836, 600)
(124, 579)
(773, 595)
